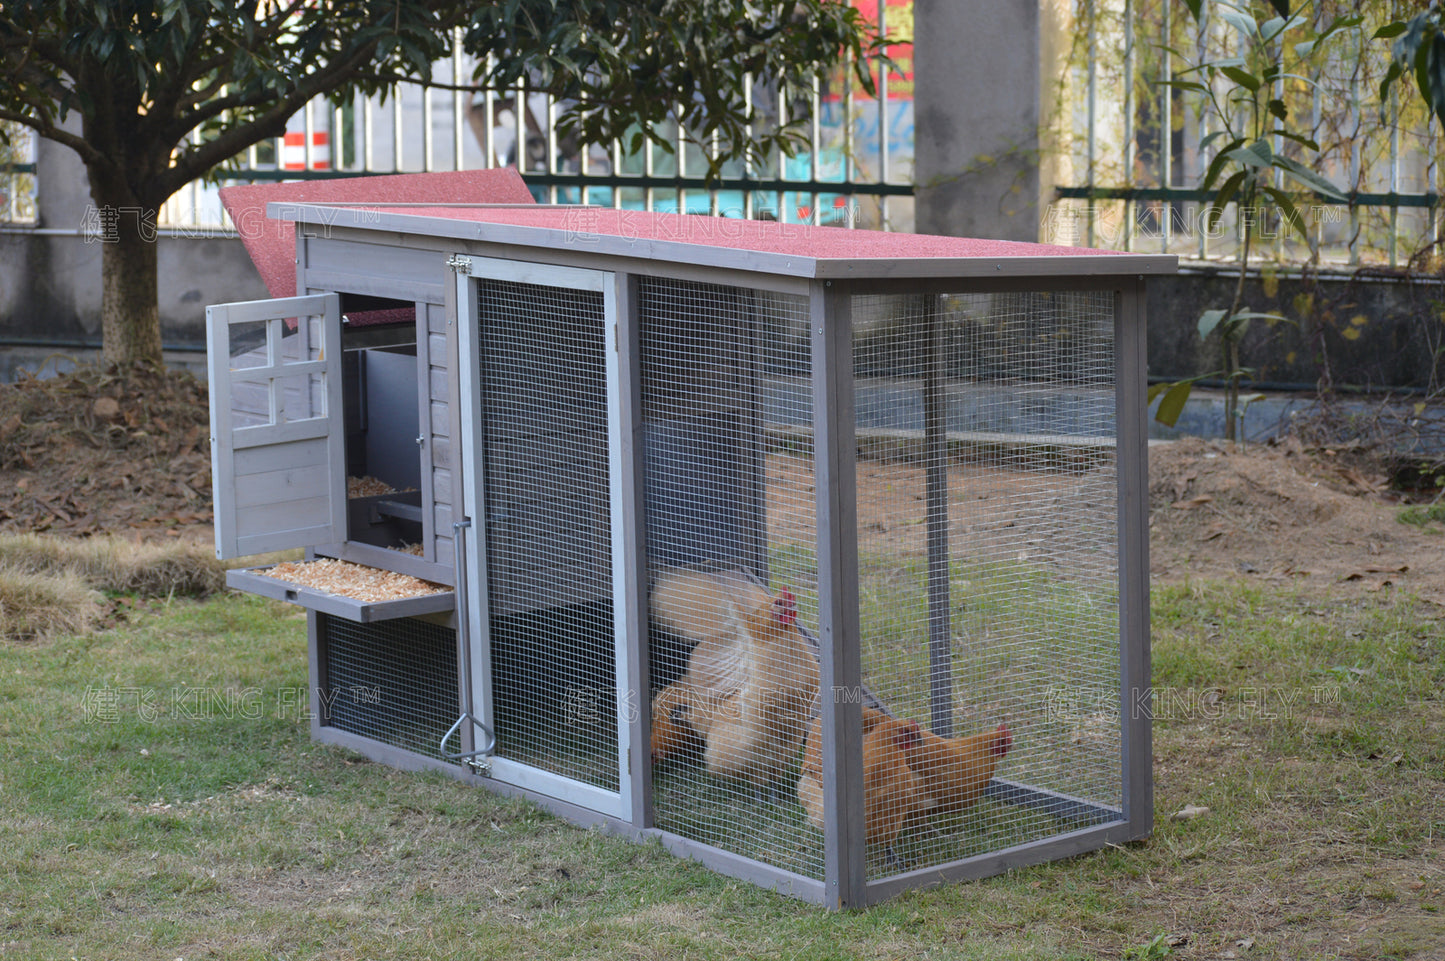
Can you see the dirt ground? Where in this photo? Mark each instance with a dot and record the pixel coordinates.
(96, 452)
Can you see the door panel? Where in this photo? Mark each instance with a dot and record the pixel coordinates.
(276, 443)
(538, 431)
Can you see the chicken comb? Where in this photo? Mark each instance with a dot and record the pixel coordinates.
(785, 608)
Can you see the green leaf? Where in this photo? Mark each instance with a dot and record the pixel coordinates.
(1302, 174)
(1288, 210)
(1227, 190)
(1209, 320)
(1240, 21)
(1278, 109)
(1302, 141)
(1281, 7)
(1184, 85)
(1257, 154)
(1176, 395)
(1390, 31)
(1217, 165)
(1193, 7)
(1244, 78)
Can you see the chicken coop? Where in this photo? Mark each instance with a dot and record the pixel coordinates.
(819, 555)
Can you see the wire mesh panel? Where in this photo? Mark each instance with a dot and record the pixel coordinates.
(548, 528)
(392, 681)
(731, 540)
(987, 552)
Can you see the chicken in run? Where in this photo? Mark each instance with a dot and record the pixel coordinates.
(751, 681)
(949, 774)
(892, 792)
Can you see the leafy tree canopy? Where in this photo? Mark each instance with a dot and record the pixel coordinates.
(167, 90)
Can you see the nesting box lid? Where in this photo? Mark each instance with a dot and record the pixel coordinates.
(799, 250)
(272, 243)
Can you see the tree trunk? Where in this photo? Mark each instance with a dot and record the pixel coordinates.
(125, 225)
(129, 305)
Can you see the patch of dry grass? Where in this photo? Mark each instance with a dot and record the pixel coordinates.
(117, 564)
(56, 585)
(39, 605)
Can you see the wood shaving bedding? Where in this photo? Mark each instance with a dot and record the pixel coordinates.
(370, 487)
(352, 580)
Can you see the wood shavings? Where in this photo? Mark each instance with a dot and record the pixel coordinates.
(367, 487)
(352, 580)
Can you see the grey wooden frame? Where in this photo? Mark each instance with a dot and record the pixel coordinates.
(471, 436)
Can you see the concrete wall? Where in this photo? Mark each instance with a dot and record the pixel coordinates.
(1361, 331)
(977, 89)
(50, 275)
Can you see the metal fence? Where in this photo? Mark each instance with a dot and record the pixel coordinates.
(1121, 184)
(856, 168)
(17, 176)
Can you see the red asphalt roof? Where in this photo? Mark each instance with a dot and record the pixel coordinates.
(797, 240)
(272, 243)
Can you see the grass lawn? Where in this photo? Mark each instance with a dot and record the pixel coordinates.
(160, 799)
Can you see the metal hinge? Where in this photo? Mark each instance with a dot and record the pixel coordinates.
(462, 265)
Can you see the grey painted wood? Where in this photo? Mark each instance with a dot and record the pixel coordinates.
(835, 453)
(386, 559)
(733, 865)
(437, 346)
(370, 265)
(439, 419)
(441, 452)
(273, 457)
(278, 486)
(253, 582)
(425, 435)
(275, 485)
(316, 671)
(1057, 804)
(997, 862)
(631, 534)
(1131, 405)
(438, 378)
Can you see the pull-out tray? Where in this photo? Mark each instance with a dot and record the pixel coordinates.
(337, 605)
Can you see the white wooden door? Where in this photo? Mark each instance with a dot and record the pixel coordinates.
(277, 439)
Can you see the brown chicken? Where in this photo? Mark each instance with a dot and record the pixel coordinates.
(948, 774)
(956, 770)
(751, 679)
(672, 730)
(892, 792)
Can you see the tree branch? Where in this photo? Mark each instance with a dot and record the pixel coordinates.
(50, 131)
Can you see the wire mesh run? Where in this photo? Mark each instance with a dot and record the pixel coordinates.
(732, 549)
(393, 681)
(548, 529)
(987, 552)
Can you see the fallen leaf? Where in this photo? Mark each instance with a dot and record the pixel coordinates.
(1181, 486)
(1188, 813)
(1193, 502)
(105, 408)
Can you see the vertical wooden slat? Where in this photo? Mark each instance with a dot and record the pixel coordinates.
(835, 453)
(1131, 416)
